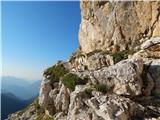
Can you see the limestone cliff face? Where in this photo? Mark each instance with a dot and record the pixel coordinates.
(115, 26)
(115, 75)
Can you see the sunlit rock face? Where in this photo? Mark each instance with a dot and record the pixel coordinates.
(114, 75)
(117, 26)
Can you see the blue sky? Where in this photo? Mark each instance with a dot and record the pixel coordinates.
(37, 34)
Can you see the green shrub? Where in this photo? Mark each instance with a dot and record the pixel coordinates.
(36, 105)
(71, 80)
(88, 92)
(118, 56)
(101, 88)
(56, 72)
(105, 52)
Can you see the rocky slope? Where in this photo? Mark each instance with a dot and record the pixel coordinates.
(115, 74)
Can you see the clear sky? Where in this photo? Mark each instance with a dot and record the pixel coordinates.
(37, 34)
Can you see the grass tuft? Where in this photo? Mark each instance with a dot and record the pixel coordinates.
(55, 72)
(71, 80)
(101, 88)
(118, 56)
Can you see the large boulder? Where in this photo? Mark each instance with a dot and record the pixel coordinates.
(44, 93)
(113, 107)
(54, 97)
(100, 106)
(77, 108)
(44, 100)
(60, 98)
(124, 78)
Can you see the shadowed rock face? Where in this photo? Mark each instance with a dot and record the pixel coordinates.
(153, 68)
(117, 25)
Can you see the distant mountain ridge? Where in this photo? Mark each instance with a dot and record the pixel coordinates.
(21, 88)
(16, 94)
(10, 103)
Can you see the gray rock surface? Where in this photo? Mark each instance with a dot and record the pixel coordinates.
(150, 48)
(44, 99)
(92, 61)
(124, 77)
(113, 107)
(151, 42)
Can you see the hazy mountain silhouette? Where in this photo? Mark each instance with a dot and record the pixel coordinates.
(10, 103)
(16, 94)
(21, 88)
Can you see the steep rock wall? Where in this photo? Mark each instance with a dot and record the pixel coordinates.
(115, 26)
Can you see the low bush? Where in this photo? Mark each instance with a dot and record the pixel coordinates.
(105, 52)
(88, 92)
(118, 56)
(101, 88)
(71, 80)
(36, 104)
(56, 72)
